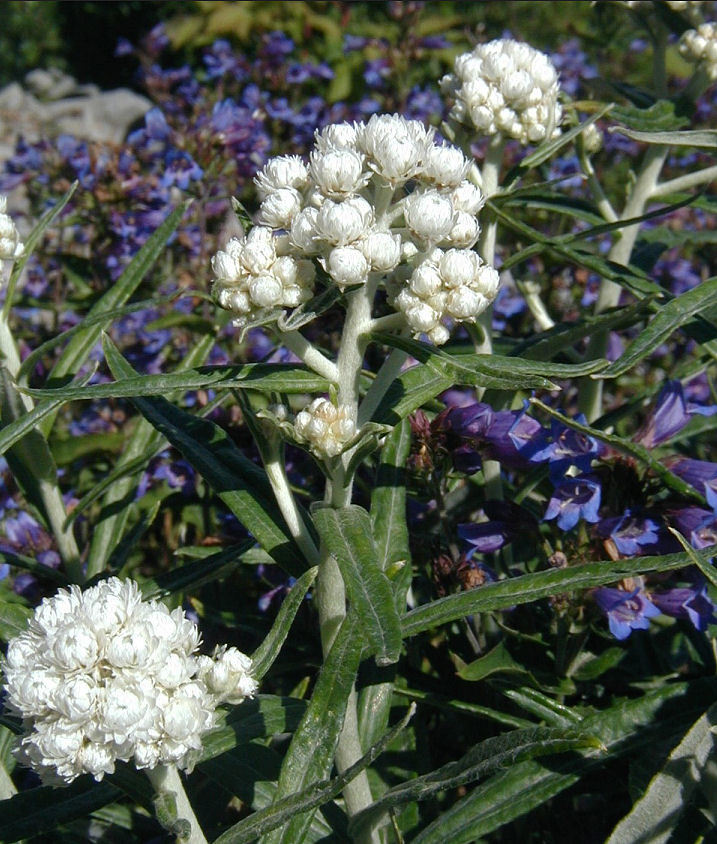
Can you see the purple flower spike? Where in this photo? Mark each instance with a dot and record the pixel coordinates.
(670, 415)
(684, 602)
(632, 533)
(625, 611)
(573, 499)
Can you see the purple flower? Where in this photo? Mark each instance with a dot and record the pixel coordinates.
(376, 72)
(221, 60)
(354, 42)
(700, 474)
(669, 416)
(180, 169)
(698, 525)
(632, 533)
(625, 611)
(565, 448)
(506, 521)
(573, 499)
(684, 602)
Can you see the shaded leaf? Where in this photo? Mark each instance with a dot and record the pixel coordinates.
(346, 533)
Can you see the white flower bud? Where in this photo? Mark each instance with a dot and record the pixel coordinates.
(337, 136)
(382, 250)
(265, 291)
(325, 427)
(394, 146)
(429, 216)
(338, 172)
(467, 197)
(304, 233)
(465, 230)
(347, 266)
(341, 223)
(284, 171)
(444, 166)
(11, 247)
(280, 207)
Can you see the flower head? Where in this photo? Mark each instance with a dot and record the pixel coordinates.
(102, 675)
(11, 246)
(626, 611)
(699, 46)
(325, 427)
(505, 87)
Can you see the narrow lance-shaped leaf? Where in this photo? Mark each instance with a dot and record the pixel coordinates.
(242, 486)
(654, 817)
(484, 758)
(262, 377)
(264, 656)
(697, 138)
(542, 584)
(13, 619)
(388, 499)
(347, 535)
(669, 318)
(311, 752)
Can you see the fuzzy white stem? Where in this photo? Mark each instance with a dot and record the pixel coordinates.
(310, 355)
(289, 509)
(691, 180)
(166, 781)
(536, 306)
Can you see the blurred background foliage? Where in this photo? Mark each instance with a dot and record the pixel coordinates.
(80, 37)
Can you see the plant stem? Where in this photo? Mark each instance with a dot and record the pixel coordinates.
(691, 180)
(590, 398)
(287, 504)
(167, 782)
(311, 356)
(330, 591)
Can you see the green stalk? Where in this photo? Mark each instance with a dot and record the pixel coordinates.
(174, 802)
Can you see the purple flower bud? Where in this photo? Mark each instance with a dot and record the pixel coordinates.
(632, 533)
(701, 474)
(669, 416)
(698, 525)
(625, 611)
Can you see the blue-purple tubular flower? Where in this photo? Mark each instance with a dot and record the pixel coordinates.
(506, 521)
(625, 611)
(670, 415)
(692, 603)
(633, 533)
(573, 499)
(699, 526)
(563, 448)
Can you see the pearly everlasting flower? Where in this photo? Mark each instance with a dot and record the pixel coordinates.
(325, 427)
(11, 246)
(374, 203)
(251, 278)
(448, 286)
(505, 87)
(101, 675)
(699, 46)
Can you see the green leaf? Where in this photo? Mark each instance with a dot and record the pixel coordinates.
(242, 486)
(653, 818)
(13, 620)
(639, 452)
(31, 242)
(311, 752)
(461, 706)
(40, 570)
(312, 797)
(346, 533)
(40, 810)
(497, 660)
(543, 707)
(388, 499)
(532, 587)
(13, 432)
(670, 317)
(310, 310)
(484, 758)
(261, 717)
(264, 656)
(659, 116)
(261, 377)
(697, 138)
(703, 565)
(413, 388)
(624, 728)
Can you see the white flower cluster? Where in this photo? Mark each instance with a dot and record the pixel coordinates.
(349, 210)
(11, 246)
(251, 276)
(456, 284)
(325, 427)
(699, 46)
(101, 675)
(506, 87)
